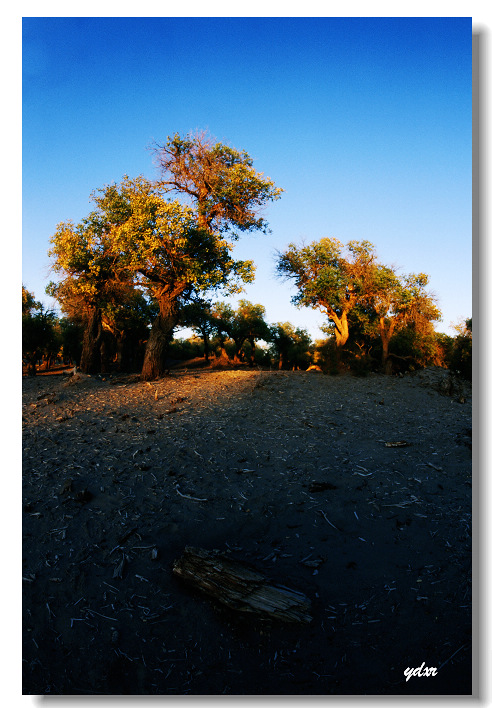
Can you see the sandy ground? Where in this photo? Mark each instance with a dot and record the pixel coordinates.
(288, 472)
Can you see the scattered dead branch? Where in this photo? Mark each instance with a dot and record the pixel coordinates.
(187, 496)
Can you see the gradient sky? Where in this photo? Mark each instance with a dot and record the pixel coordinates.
(366, 123)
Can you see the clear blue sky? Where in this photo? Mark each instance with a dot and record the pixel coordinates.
(366, 123)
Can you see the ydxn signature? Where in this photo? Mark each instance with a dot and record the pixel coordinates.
(421, 671)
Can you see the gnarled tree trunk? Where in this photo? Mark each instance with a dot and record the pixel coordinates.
(161, 334)
(341, 328)
(90, 359)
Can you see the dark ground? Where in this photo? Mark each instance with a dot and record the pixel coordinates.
(297, 481)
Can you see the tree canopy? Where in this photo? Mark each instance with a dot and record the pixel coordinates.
(290, 345)
(91, 274)
(39, 333)
(392, 302)
(137, 237)
(354, 286)
(245, 324)
(152, 254)
(326, 279)
(224, 189)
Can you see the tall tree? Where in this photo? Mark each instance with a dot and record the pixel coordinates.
(222, 318)
(136, 234)
(128, 323)
(220, 185)
(162, 247)
(326, 279)
(398, 302)
(72, 333)
(29, 304)
(356, 287)
(90, 273)
(250, 326)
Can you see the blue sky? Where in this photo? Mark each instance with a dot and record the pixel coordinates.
(366, 123)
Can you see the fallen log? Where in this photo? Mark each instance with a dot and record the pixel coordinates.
(240, 587)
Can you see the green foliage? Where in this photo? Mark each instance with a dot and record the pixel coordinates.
(290, 346)
(184, 349)
(418, 349)
(244, 325)
(318, 272)
(39, 333)
(197, 315)
(460, 356)
(326, 279)
(160, 245)
(360, 296)
(126, 327)
(445, 344)
(139, 238)
(361, 364)
(220, 182)
(29, 304)
(262, 357)
(326, 356)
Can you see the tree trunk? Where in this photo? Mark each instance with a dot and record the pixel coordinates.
(90, 360)
(253, 346)
(220, 350)
(385, 362)
(206, 346)
(386, 334)
(239, 342)
(157, 347)
(341, 328)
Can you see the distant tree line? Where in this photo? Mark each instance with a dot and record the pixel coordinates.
(142, 264)
(234, 337)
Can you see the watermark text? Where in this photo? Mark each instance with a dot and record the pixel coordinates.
(421, 671)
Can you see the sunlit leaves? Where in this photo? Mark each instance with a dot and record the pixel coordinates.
(325, 278)
(138, 237)
(246, 323)
(137, 234)
(220, 182)
(29, 304)
(354, 282)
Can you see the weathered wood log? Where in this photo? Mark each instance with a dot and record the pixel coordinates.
(240, 587)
